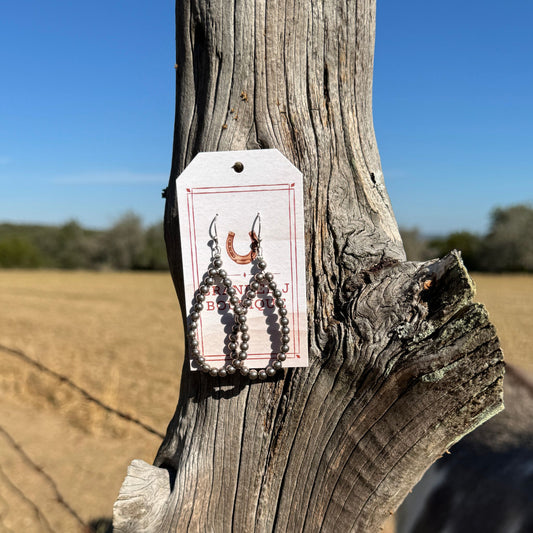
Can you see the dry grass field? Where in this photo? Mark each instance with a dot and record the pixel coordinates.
(118, 337)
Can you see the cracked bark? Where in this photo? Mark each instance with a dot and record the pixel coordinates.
(402, 362)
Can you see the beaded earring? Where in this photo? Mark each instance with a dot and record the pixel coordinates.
(214, 270)
(259, 279)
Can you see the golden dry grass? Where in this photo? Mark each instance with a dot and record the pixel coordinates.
(118, 335)
(509, 301)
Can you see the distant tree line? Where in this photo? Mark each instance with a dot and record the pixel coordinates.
(128, 245)
(507, 247)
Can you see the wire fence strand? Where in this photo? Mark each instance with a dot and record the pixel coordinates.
(87, 395)
(39, 469)
(40, 516)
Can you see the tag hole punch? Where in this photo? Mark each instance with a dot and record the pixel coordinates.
(238, 167)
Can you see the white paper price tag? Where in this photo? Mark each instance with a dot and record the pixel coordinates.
(268, 184)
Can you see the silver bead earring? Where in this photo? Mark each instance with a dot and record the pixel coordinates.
(214, 270)
(259, 279)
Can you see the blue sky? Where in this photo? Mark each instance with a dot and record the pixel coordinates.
(87, 109)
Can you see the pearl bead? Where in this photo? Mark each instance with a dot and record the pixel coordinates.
(195, 316)
(234, 300)
(213, 271)
(205, 368)
(244, 346)
(247, 302)
(284, 321)
(237, 363)
(198, 307)
(245, 370)
(282, 311)
(285, 339)
(259, 276)
(230, 291)
(232, 346)
(193, 325)
(209, 280)
(200, 360)
(252, 374)
(200, 297)
(245, 337)
(262, 374)
(269, 276)
(270, 371)
(227, 282)
(254, 285)
(285, 330)
(284, 348)
(204, 289)
(195, 352)
(191, 334)
(272, 285)
(243, 356)
(222, 273)
(222, 372)
(214, 372)
(242, 318)
(280, 302)
(194, 343)
(277, 293)
(281, 357)
(276, 365)
(231, 369)
(244, 328)
(251, 294)
(262, 264)
(217, 263)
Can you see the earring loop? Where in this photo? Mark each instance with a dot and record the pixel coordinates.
(238, 339)
(214, 270)
(259, 279)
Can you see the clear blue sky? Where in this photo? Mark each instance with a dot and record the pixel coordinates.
(87, 109)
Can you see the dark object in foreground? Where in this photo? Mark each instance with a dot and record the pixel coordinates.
(485, 484)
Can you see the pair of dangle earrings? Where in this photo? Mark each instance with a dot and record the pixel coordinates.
(237, 343)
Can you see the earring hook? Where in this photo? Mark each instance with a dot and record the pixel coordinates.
(258, 221)
(257, 234)
(214, 235)
(213, 229)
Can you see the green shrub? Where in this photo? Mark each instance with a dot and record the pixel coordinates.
(18, 251)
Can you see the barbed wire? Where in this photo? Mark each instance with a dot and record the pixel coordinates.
(39, 469)
(40, 516)
(87, 395)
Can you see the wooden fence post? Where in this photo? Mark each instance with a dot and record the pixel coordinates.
(402, 362)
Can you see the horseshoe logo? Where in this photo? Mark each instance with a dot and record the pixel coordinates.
(242, 259)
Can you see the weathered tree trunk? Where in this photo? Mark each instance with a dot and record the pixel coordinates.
(402, 363)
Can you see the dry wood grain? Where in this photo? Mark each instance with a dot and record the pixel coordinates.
(402, 363)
